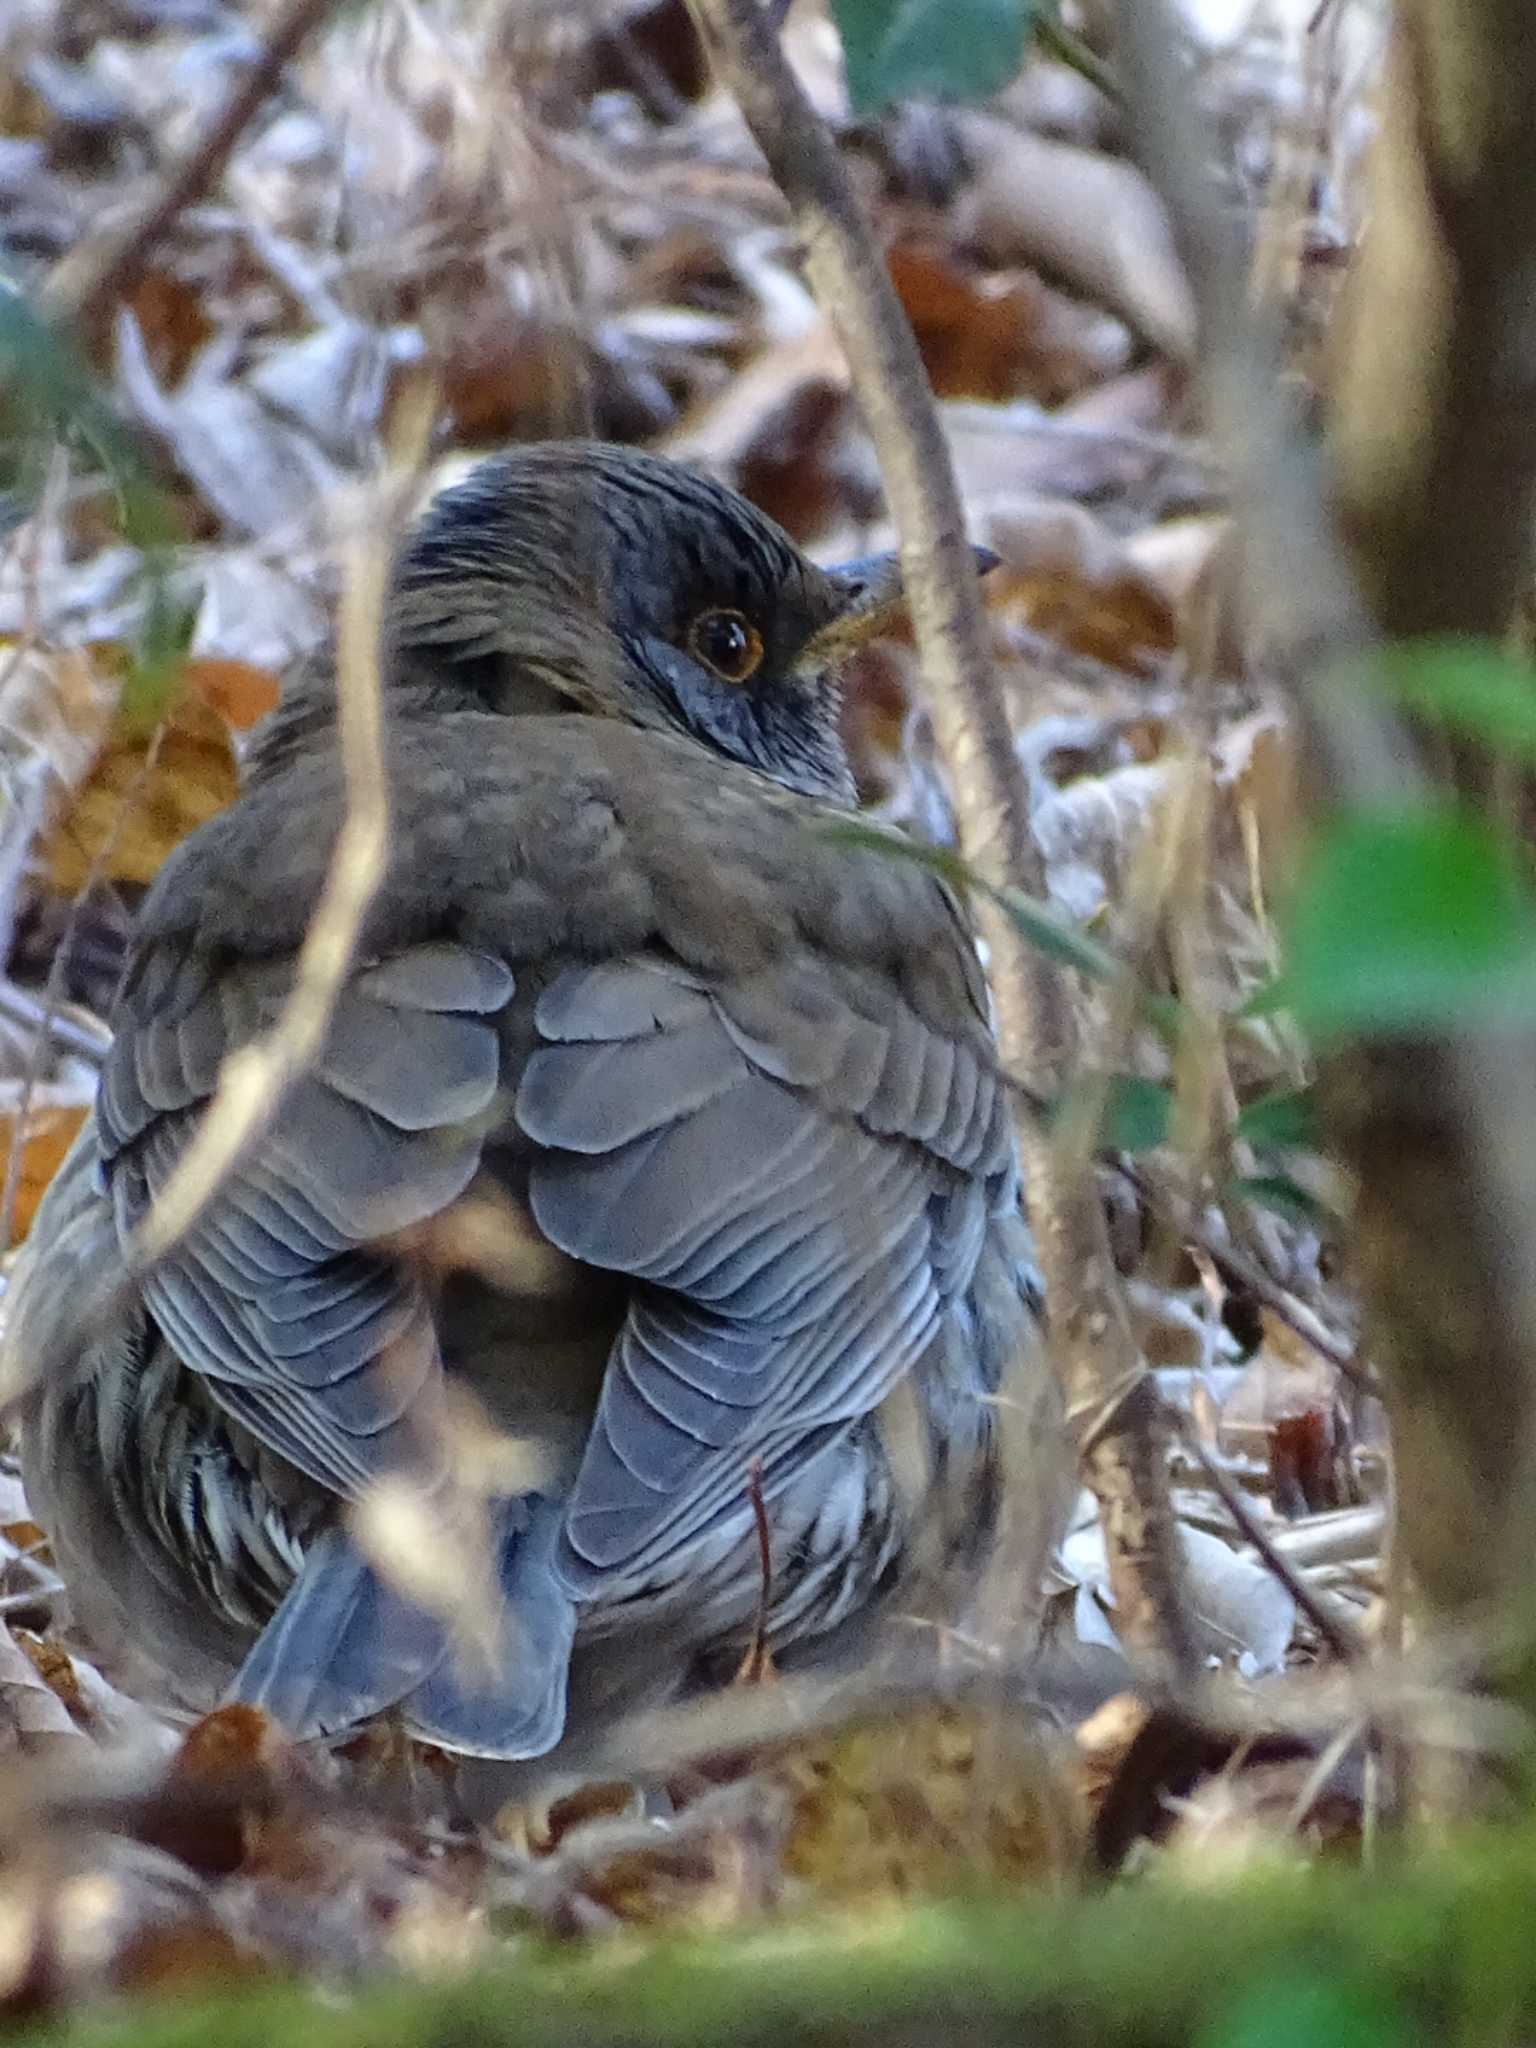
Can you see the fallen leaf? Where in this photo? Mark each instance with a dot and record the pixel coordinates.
(239, 691)
(129, 814)
(1000, 336)
(1091, 220)
(172, 320)
(929, 1800)
(34, 1717)
(1064, 575)
(47, 1134)
(1242, 1614)
(784, 431)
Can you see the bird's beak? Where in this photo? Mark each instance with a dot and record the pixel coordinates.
(875, 604)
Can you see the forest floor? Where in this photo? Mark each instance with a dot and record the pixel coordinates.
(547, 219)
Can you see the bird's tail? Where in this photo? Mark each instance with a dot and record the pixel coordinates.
(345, 1646)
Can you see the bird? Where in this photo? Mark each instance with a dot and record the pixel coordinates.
(720, 1073)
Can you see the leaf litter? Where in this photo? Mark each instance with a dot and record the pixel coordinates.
(549, 217)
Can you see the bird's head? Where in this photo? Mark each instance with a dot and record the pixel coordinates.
(597, 579)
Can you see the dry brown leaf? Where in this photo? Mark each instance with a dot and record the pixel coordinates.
(933, 1800)
(1285, 1410)
(189, 1955)
(1089, 219)
(506, 377)
(34, 1714)
(239, 691)
(998, 336)
(47, 1134)
(173, 320)
(784, 431)
(876, 714)
(131, 816)
(52, 1665)
(1063, 575)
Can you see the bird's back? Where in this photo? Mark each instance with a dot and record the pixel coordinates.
(651, 1119)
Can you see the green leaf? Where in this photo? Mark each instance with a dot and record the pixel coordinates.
(1469, 686)
(1406, 920)
(930, 49)
(48, 387)
(159, 654)
(1286, 1117)
(48, 395)
(900, 846)
(1039, 924)
(1135, 1116)
(1047, 933)
(1287, 1197)
(1304, 2009)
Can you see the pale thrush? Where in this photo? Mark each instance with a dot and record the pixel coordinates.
(729, 1083)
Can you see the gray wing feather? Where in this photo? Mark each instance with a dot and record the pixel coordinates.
(778, 1170)
(320, 1345)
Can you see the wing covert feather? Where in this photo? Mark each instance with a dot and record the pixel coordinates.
(318, 1343)
(798, 1188)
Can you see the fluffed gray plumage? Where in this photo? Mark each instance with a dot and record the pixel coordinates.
(733, 1080)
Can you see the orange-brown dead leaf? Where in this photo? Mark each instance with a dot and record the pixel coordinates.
(999, 336)
(1065, 576)
(229, 1785)
(47, 1135)
(172, 320)
(785, 433)
(1284, 1409)
(193, 1955)
(240, 692)
(52, 1665)
(231, 1742)
(130, 817)
(541, 1830)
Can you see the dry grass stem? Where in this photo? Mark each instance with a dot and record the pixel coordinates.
(85, 299)
(256, 1078)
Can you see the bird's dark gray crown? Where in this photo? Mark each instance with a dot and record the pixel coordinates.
(566, 576)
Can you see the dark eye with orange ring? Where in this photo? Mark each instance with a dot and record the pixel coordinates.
(728, 643)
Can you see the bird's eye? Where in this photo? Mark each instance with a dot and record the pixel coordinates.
(728, 643)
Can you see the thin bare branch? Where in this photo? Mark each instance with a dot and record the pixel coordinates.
(1111, 1398)
(74, 1029)
(118, 271)
(1344, 1644)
